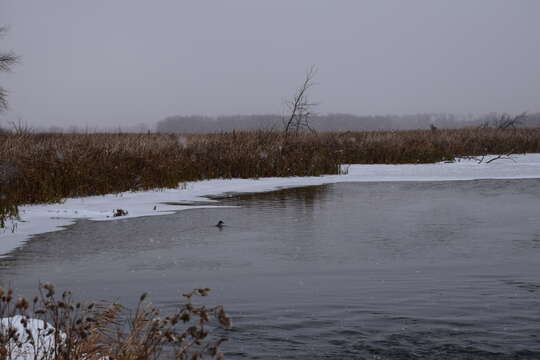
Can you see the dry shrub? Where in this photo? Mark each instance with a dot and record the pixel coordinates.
(58, 328)
(426, 146)
(41, 168)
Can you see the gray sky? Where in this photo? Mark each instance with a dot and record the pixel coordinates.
(121, 62)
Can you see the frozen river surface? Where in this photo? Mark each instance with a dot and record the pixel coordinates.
(400, 270)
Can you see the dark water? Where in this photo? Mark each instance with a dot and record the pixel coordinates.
(445, 270)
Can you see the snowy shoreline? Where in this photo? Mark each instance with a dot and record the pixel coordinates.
(37, 219)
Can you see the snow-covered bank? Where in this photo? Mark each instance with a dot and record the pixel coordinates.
(38, 219)
(39, 333)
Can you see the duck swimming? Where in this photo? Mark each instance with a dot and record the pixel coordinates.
(220, 224)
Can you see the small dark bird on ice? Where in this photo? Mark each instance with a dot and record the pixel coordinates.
(220, 224)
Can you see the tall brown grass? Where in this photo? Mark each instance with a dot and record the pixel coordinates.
(56, 327)
(41, 168)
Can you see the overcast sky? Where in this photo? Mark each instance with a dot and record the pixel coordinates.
(122, 62)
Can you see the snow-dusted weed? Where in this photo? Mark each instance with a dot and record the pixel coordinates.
(51, 327)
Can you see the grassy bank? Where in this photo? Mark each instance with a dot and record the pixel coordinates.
(41, 168)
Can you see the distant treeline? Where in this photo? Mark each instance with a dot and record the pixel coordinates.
(321, 123)
(334, 122)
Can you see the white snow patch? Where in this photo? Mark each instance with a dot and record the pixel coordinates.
(36, 219)
(39, 330)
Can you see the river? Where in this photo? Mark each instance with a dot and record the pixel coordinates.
(396, 270)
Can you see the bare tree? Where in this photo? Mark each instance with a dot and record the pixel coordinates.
(505, 121)
(7, 60)
(508, 121)
(300, 107)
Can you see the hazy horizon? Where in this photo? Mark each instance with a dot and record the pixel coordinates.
(123, 63)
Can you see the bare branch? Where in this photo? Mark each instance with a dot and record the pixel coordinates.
(3, 99)
(503, 156)
(300, 106)
(7, 60)
(507, 121)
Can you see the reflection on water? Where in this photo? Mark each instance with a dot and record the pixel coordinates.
(444, 270)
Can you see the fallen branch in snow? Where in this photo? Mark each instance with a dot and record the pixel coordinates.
(482, 159)
(504, 156)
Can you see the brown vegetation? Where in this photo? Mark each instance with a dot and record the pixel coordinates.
(38, 168)
(52, 327)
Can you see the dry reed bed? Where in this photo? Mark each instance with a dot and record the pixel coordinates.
(38, 168)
